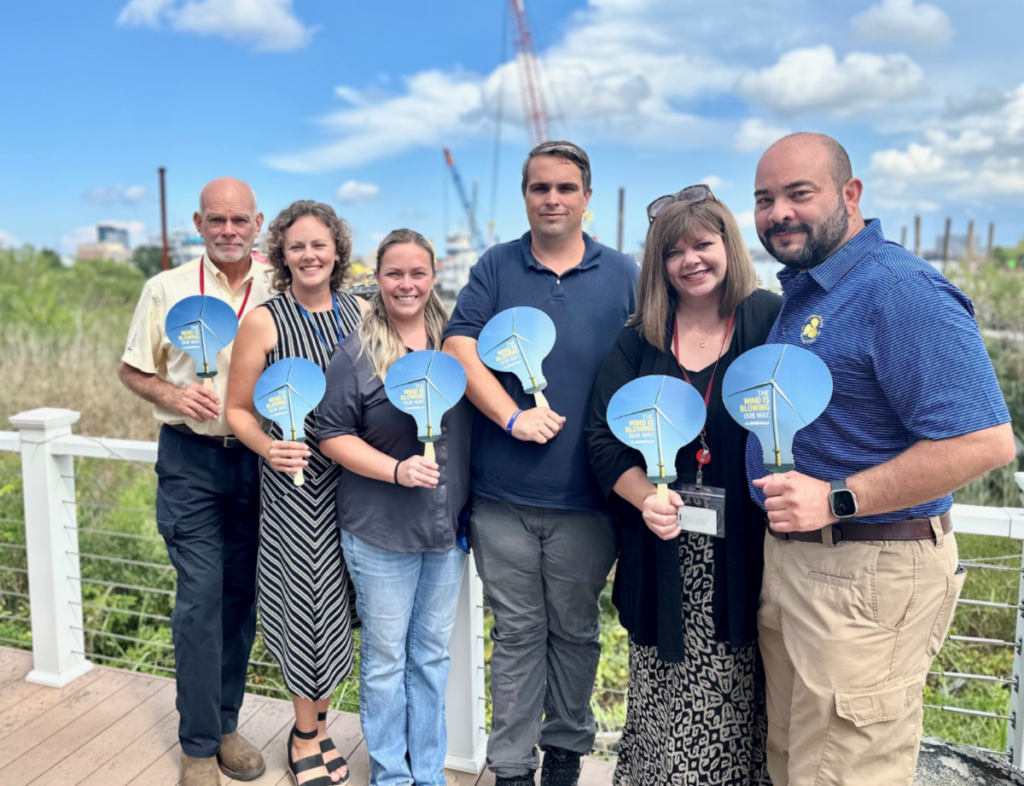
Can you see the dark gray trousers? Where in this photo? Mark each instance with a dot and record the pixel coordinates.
(207, 509)
(543, 572)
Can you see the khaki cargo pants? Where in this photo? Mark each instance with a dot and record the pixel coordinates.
(848, 633)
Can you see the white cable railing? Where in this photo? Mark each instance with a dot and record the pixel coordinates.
(78, 599)
(79, 617)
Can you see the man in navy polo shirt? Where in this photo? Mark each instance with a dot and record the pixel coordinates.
(861, 574)
(543, 539)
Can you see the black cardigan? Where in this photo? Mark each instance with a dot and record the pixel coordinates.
(647, 581)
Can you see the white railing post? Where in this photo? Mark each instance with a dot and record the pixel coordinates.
(1015, 728)
(464, 696)
(51, 537)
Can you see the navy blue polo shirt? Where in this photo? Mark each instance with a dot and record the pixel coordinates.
(906, 356)
(589, 304)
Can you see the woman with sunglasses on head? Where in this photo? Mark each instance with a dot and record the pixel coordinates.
(398, 514)
(303, 587)
(695, 710)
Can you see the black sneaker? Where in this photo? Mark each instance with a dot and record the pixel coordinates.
(561, 767)
(519, 780)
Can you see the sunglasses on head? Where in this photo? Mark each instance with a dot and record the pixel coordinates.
(688, 196)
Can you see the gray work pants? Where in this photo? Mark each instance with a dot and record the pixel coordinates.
(543, 571)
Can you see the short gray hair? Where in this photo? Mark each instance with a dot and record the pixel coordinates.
(560, 149)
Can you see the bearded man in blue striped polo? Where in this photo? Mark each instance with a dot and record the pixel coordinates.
(861, 574)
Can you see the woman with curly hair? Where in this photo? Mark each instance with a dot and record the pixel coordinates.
(303, 587)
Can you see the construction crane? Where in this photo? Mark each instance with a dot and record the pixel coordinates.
(474, 231)
(534, 108)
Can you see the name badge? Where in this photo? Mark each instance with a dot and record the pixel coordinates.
(703, 511)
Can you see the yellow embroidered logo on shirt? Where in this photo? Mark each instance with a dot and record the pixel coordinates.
(812, 327)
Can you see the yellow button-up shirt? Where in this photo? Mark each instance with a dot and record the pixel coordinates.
(150, 351)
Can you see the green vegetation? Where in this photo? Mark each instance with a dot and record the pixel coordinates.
(63, 331)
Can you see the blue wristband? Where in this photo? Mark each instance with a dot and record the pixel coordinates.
(512, 420)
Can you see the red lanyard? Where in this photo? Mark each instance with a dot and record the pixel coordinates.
(202, 286)
(703, 455)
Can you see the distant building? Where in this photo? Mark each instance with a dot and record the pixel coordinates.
(767, 268)
(108, 233)
(112, 244)
(112, 251)
(453, 270)
(957, 247)
(183, 247)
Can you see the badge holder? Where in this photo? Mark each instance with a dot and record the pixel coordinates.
(703, 511)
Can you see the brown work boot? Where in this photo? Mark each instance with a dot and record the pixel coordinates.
(239, 758)
(199, 772)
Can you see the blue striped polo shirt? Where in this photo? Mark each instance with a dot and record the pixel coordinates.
(906, 356)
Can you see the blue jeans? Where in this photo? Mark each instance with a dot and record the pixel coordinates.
(407, 603)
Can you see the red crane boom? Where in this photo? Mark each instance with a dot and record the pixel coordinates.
(534, 107)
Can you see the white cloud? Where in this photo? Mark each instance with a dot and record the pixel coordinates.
(433, 108)
(143, 13)
(755, 135)
(902, 204)
(618, 75)
(745, 219)
(903, 20)
(980, 155)
(353, 193)
(8, 240)
(714, 181)
(269, 24)
(916, 162)
(108, 195)
(71, 241)
(811, 80)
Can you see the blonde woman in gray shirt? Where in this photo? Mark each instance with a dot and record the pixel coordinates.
(398, 515)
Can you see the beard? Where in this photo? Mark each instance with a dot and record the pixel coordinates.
(821, 242)
(229, 254)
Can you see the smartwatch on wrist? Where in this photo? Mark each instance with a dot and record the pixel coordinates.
(842, 501)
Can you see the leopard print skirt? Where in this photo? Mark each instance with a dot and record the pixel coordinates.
(702, 721)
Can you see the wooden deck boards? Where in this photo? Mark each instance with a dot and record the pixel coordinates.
(113, 727)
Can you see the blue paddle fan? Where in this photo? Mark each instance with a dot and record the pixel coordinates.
(426, 384)
(774, 391)
(517, 340)
(201, 326)
(288, 391)
(657, 415)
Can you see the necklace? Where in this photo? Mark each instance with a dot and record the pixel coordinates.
(705, 336)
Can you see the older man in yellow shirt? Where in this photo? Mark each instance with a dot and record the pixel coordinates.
(208, 487)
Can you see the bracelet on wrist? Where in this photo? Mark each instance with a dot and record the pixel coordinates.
(512, 421)
(397, 464)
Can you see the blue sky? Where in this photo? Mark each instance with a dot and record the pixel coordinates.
(351, 104)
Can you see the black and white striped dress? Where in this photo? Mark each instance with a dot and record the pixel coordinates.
(303, 588)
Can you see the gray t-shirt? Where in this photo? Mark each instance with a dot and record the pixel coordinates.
(390, 517)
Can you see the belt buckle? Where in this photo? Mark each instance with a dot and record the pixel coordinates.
(229, 441)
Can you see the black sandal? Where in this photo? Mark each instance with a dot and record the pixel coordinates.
(327, 746)
(313, 762)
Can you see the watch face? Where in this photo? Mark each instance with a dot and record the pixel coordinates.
(843, 503)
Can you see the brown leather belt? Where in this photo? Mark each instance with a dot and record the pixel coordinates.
(214, 442)
(908, 529)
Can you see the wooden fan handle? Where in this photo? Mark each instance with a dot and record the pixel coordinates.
(540, 400)
(428, 452)
(299, 478)
(208, 383)
(662, 492)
